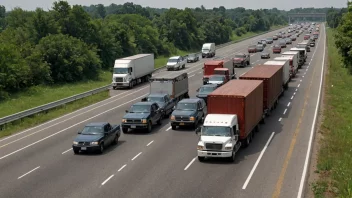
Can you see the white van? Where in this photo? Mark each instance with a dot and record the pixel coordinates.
(208, 50)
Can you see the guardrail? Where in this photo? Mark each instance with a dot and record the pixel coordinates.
(52, 105)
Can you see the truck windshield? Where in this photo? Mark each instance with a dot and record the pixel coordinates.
(186, 106)
(140, 109)
(172, 60)
(206, 89)
(239, 56)
(301, 46)
(216, 131)
(120, 70)
(91, 130)
(205, 50)
(155, 99)
(216, 78)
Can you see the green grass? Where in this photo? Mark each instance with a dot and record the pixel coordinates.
(32, 121)
(335, 155)
(162, 60)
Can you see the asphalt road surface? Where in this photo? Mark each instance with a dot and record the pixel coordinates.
(39, 162)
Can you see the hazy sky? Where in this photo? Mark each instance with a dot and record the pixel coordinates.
(251, 4)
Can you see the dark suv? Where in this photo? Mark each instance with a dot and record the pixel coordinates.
(189, 112)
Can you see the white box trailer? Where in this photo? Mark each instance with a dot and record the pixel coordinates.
(293, 64)
(286, 70)
(302, 55)
(132, 70)
(296, 61)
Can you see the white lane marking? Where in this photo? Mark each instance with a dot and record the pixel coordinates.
(299, 85)
(302, 76)
(291, 97)
(288, 104)
(47, 137)
(150, 143)
(191, 76)
(296, 89)
(189, 164)
(307, 69)
(285, 111)
(294, 93)
(252, 54)
(104, 182)
(280, 119)
(306, 162)
(168, 128)
(257, 162)
(200, 72)
(66, 151)
(136, 156)
(300, 80)
(122, 167)
(28, 172)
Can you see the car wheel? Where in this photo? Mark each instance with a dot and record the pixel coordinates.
(201, 159)
(101, 150)
(149, 127)
(159, 121)
(116, 140)
(124, 130)
(76, 151)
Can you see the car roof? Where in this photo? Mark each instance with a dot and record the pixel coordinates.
(174, 57)
(157, 94)
(190, 100)
(97, 124)
(144, 103)
(209, 85)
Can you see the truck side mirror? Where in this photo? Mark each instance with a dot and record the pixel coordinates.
(198, 130)
(197, 90)
(144, 99)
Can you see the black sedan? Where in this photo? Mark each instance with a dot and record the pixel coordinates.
(96, 137)
(265, 55)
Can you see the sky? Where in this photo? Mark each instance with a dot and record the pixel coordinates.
(248, 4)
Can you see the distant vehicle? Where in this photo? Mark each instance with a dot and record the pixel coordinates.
(252, 49)
(263, 42)
(293, 37)
(282, 43)
(188, 112)
(205, 90)
(176, 63)
(265, 54)
(142, 115)
(241, 60)
(276, 49)
(303, 45)
(96, 137)
(192, 58)
(218, 80)
(208, 50)
(312, 44)
(306, 37)
(130, 71)
(288, 41)
(269, 40)
(275, 37)
(259, 48)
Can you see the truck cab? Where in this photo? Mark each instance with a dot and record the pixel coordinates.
(208, 50)
(219, 137)
(220, 76)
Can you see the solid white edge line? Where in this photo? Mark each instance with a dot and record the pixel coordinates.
(280, 119)
(294, 93)
(168, 128)
(122, 167)
(136, 156)
(306, 163)
(28, 172)
(296, 89)
(300, 80)
(150, 143)
(289, 103)
(189, 164)
(47, 137)
(257, 162)
(107, 180)
(66, 151)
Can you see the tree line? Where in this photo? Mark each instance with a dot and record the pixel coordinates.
(72, 43)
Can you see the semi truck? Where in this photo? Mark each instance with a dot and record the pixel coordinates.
(289, 59)
(211, 65)
(286, 70)
(302, 55)
(272, 79)
(132, 70)
(294, 60)
(208, 50)
(234, 114)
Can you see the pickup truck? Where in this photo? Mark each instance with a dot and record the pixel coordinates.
(176, 63)
(142, 115)
(221, 76)
(163, 100)
(241, 60)
(96, 137)
(188, 112)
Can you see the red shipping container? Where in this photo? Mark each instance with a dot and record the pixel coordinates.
(239, 97)
(271, 75)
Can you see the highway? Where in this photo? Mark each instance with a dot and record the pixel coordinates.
(39, 162)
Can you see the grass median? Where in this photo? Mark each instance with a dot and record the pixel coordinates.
(334, 166)
(40, 95)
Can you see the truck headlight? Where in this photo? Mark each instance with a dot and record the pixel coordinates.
(75, 143)
(191, 118)
(172, 117)
(94, 143)
(228, 147)
(144, 121)
(200, 148)
(124, 120)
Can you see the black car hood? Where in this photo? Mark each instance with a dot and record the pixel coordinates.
(136, 115)
(88, 138)
(183, 113)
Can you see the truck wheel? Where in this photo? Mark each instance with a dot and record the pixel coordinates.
(184, 66)
(149, 128)
(201, 159)
(232, 158)
(186, 95)
(124, 130)
(116, 140)
(257, 128)
(101, 148)
(247, 141)
(130, 85)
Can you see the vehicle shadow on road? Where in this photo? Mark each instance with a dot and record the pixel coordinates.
(155, 129)
(107, 150)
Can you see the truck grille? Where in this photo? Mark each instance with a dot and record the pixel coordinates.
(118, 79)
(134, 121)
(211, 146)
(181, 118)
(84, 143)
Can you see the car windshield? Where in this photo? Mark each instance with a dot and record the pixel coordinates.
(120, 70)
(239, 56)
(92, 130)
(186, 106)
(139, 109)
(265, 52)
(269, 39)
(252, 46)
(259, 46)
(216, 78)
(216, 131)
(206, 89)
(155, 99)
(172, 60)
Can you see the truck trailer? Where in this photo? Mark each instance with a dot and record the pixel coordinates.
(286, 70)
(294, 60)
(235, 111)
(209, 67)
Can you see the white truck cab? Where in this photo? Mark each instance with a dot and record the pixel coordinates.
(219, 137)
(208, 50)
